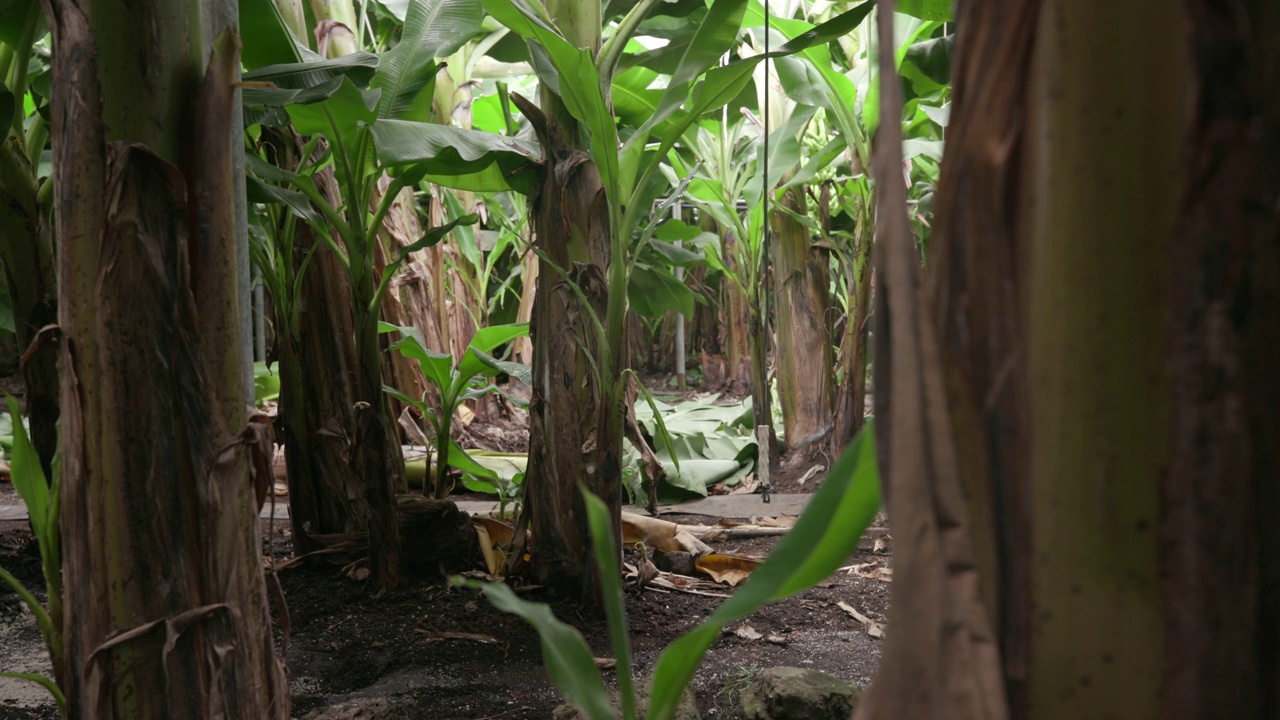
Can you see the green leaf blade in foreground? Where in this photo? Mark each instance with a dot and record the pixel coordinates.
(568, 659)
(823, 538)
(604, 539)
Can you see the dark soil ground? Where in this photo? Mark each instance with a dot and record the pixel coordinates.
(446, 653)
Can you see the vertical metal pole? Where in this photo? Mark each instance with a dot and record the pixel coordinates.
(677, 211)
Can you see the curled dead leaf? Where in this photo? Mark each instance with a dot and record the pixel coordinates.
(727, 569)
(494, 536)
(874, 629)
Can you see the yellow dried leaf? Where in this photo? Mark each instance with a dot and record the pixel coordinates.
(727, 569)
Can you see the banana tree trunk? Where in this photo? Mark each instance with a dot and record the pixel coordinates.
(805, 362)
(166, 609)
(1102, 324)
(573, 436)
(851, 394)
(736, 315)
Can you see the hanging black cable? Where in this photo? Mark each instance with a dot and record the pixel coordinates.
(764, 250)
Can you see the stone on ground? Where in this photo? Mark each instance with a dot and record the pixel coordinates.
(790, 693)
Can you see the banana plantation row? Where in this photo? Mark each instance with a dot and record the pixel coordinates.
(1074, 355)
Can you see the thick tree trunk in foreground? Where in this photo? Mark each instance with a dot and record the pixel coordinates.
(166, 612)
(804, 357)
(1220, 501)
(1105, 305)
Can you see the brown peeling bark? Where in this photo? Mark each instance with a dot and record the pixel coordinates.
(1106, 291)
(567, 413)
(1221, 532)
(166, 612)
(942, 659)
(804, 357)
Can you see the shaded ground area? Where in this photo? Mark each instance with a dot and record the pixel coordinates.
(439, 652)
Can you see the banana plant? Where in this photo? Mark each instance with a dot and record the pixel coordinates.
(363, 106)
(582, 79)
(42, 500)
(26, 234)
(457, 382)
(822, 539)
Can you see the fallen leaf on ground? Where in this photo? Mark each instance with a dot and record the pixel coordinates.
(728, 569)
(870, 571)
(874, 628)
(781, 521)
(810, 473)
(661, 534)
(746, 632)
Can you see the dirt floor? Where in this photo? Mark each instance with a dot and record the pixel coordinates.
(442, 652)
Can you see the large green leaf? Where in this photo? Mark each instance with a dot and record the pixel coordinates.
(432, 29)
(633, 100)
(360, 67)
(823, 538)
(939, 10)
(258, 191)
(303, 84)
(488, 338)
(340, 118)
(458, 458)
(13, 19)
(437, 367)
(485, 340)
(713, 38)
(458, 158)
(578, 83)
(655, 291)
(724, 83)
(265, 38)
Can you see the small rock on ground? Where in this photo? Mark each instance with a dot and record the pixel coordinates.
(790, 693)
